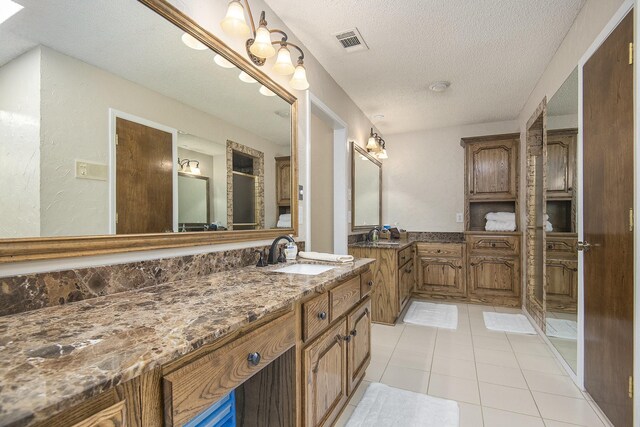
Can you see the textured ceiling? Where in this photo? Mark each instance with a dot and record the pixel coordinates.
(565, 100)
(129, 40)
(492, 51)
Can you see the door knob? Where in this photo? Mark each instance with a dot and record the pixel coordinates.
(585, 246)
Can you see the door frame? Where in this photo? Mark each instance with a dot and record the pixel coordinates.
(113, 116)
(613, 23)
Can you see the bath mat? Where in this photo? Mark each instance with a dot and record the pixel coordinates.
(434, 315)
(503, 322)
(386, 406)
(562, 328)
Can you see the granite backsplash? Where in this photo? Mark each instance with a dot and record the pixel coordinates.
(34, 291)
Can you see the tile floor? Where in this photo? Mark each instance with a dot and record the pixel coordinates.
(498, 379)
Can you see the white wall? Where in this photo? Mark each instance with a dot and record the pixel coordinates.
(20, 146)
(321, 146)
(423, 179)
(206, 169)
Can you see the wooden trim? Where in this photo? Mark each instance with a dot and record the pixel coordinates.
(40, 248)
(501, 137)
(355, 147)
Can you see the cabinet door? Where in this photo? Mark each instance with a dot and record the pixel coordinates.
(494, 276)
(560, 165)
(441, 275)
(283, 182)
(492, 170)
(359, 347)
(562, 284)
(325, 376)
(405, 283)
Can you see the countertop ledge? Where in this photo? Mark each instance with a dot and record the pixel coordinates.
(57, 357)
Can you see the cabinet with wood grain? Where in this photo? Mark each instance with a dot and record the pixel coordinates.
(491, 167)
(441, 269)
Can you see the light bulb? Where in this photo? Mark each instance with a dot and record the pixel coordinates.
(234, 23)
(223, 62)
(383, 154)
(262, 47)
(192, 42)
(266, 91)
(299, 79)
(195, 170)
(246, 77)
(283, 65)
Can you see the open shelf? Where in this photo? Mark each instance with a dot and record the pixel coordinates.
(559, 212)
(478, 210)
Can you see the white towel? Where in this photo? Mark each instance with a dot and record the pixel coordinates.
(500, 226)
(500, 216)
(286, 216)
(548, 227)
(320, 256)
(284, 223)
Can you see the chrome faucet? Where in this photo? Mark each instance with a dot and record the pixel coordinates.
(273, 258)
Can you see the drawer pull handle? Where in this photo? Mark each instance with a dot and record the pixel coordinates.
(370, 283)
(354, 333)
(493, 245)
(366, 311)
(438, 251)
(549, 246)
(322, 315)
(347, 338)
(460, 267)
(254, 358)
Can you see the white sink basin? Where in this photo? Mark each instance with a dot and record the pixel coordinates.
(308, 269)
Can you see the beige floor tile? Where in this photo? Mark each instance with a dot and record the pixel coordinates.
(501, 375)
(454, 351)
(479, 308)
(460, 389)
(406, 379)
(453, 337)
(553, 423)
(499, 418)
(554, 384)
(386, 336)
(381, 353)
(359, 392)
(423, 333)
(375, 371)
(470, 415)
(454, 367)
(498, 358)
(480, 329)
(496, 342)
(566, 409)
(416, 344)
(524, 338)
(600, 414)
(536, 348)
(412, 359)
(531, 362)
(344, 417)
(511, 310)
(508, 399)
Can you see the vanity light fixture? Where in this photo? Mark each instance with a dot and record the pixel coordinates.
(372, 144)
(193, 43)
(185, 166)
(266, 91)
(377, 146)
(8, 8)
(223, 62)
(260, 47)
(246, 78)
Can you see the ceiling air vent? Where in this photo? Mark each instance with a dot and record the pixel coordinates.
(351, 40)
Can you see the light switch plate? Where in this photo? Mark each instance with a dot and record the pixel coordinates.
(459, 217)
(89, 170)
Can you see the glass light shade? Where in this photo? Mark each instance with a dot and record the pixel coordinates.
(246, 77)
(383, 154)
(262, 47)
(195, 170)
(372, 144)
(234, 23)
(283, 65)
(299, 79)
(192, 42)
(223, 62)
(266, 91)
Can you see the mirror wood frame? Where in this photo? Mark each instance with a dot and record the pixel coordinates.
(356, 149)
(40, 248)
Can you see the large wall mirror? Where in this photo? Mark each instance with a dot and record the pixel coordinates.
(366, 190)
(117, 120)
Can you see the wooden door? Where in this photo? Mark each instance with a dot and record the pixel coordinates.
(283, 181)
(144, 179)
(608, 197)
(405, 282)
(325, 376)
(561, 155)
(441, 275)
(492, 170)
(562, 284)
(494, 276)
(359, 347)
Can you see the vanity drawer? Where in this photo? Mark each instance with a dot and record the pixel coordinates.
(453, 250)
(194, 387)
(405, 255)
(499, 245)
(315, 316)
(344, 296)
(562, 247)
(366, 283)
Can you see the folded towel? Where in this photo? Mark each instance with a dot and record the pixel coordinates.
(500, 216)
(500, 226)
(285, 216)
(548, 227)
(284, 223)
(320, 256)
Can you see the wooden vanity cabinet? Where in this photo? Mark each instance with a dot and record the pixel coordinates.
(562, 272)
(561, 163)
(491, 167)
(359, 348)
(441, 269)
(283, 181)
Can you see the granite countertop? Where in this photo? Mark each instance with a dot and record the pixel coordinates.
(56, 357)
(414, 236)
(384, 244)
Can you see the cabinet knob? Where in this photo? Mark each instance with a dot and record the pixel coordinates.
(470, 191)
(438, 251)
(347, 338)
(322, 315)
(370, 283)
(460, 267)
(549, 246)
(254, 358)
(493, 245)
(354, 333)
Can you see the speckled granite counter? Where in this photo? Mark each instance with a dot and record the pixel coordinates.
(414, 236)
(56, 357)
(384, 244)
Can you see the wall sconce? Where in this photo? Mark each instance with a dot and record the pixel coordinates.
(377, 146)
(186, 167)
(260, 47)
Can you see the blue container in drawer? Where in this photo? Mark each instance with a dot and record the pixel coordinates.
(220, 414)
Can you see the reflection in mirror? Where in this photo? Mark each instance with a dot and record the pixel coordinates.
(104, 114)
(366, 184)
(561, 238)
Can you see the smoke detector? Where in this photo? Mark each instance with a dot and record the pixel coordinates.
(351, 40)
(439, 86)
